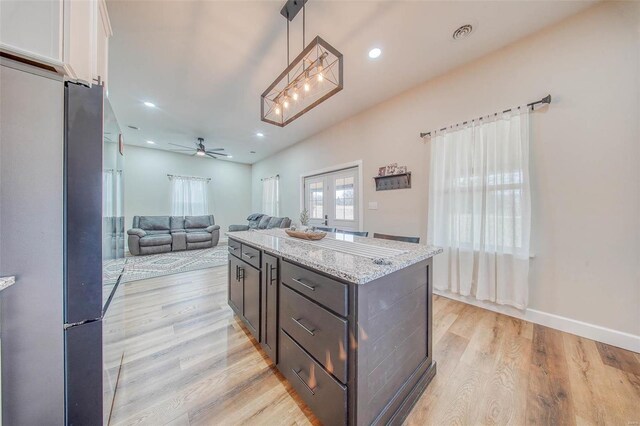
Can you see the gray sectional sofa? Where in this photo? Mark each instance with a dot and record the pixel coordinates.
(161, 234)
(262, 221)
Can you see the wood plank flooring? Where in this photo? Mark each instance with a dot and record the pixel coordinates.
(188, 361)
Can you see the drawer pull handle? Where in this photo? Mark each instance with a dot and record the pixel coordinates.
(311, 332)
(303, 382)
(233, 248)
(248, 256)
(305, 285)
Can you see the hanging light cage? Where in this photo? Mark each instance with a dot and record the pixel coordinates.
(312, 77)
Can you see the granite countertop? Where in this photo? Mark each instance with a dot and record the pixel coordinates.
(6, 282)
(346, 266)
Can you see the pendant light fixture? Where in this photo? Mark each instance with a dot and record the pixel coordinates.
(311, 78)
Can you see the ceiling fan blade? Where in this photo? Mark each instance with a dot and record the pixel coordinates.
(217, 149)
(179, 150)
(181, 146)
(216, 153)
(209, 155)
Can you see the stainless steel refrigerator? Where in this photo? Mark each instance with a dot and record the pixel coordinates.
(61, 237)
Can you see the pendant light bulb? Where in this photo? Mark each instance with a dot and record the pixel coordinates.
(285, 103)
(295, 96)
(277, 110)
(320, 77)
(306, 86)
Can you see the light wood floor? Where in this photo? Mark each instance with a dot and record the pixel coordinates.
(189, 362)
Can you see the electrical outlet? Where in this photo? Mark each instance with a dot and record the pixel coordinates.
(373, 205)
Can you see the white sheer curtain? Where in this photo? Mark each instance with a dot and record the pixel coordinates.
(188, 196)
(480, 208)
(271, 196)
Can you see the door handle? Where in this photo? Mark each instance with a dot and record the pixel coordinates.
(241, 274)
(305, 285)
(303, 382)
(305, 328)
(273, 268)
(237, 273)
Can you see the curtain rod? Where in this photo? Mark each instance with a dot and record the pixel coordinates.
(545, 100)
(270, 177)
(188, 177)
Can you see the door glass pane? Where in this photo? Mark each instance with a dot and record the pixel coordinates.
(315, 200)
(345, 198)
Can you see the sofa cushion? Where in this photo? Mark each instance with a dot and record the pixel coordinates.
(198, 237)
(264, 222)
(255, 216)
(158, 232)
(177, 222)
(275, 222)
(196, 222)
(155, 240)
(154, 223)
(253, 224)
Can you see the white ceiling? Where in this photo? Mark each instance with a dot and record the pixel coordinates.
(204, 64)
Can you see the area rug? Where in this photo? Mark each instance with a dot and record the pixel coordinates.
(156, 265)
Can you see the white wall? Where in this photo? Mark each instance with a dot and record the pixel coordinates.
(585, 157)
(147, 190)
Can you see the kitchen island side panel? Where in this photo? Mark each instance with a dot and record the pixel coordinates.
(393, 341)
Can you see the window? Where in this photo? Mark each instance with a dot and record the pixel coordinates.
(315, 200)
(188, 196)
(271, 196)
(480, 208)
(345, 198)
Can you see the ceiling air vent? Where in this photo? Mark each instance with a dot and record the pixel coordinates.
(462, 32)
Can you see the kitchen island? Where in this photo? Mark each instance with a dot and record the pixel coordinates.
(347, 320)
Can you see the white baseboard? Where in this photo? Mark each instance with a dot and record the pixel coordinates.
(579, 328)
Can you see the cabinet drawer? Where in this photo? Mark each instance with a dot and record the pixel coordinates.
(324, 394)
(324, 290)
(251, 256)
(318, 331)
(234, 247)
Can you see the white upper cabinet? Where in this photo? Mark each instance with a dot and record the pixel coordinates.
(32, 29)
(102, 43)
(70, 36)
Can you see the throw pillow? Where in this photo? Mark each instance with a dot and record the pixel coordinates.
(275, 222)
(264, 222)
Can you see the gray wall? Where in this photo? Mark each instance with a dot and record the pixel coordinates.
(31, 243)
(585, 153)
(147, 190)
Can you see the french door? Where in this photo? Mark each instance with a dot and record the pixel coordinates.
(332, 199)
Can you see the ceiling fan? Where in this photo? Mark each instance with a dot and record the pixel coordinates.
(201, 150)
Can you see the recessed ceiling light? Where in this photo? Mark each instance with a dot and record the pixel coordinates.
(374, 53)
(260, 135)
(463, 32)
(150, 104)
(229, 156)
(133, 127)
(252, 152)
(151, 142)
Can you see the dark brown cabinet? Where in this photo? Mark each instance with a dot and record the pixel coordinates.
(236, 288)
(269, 332)
(357, 354)
(244, 288)
(251, 278)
